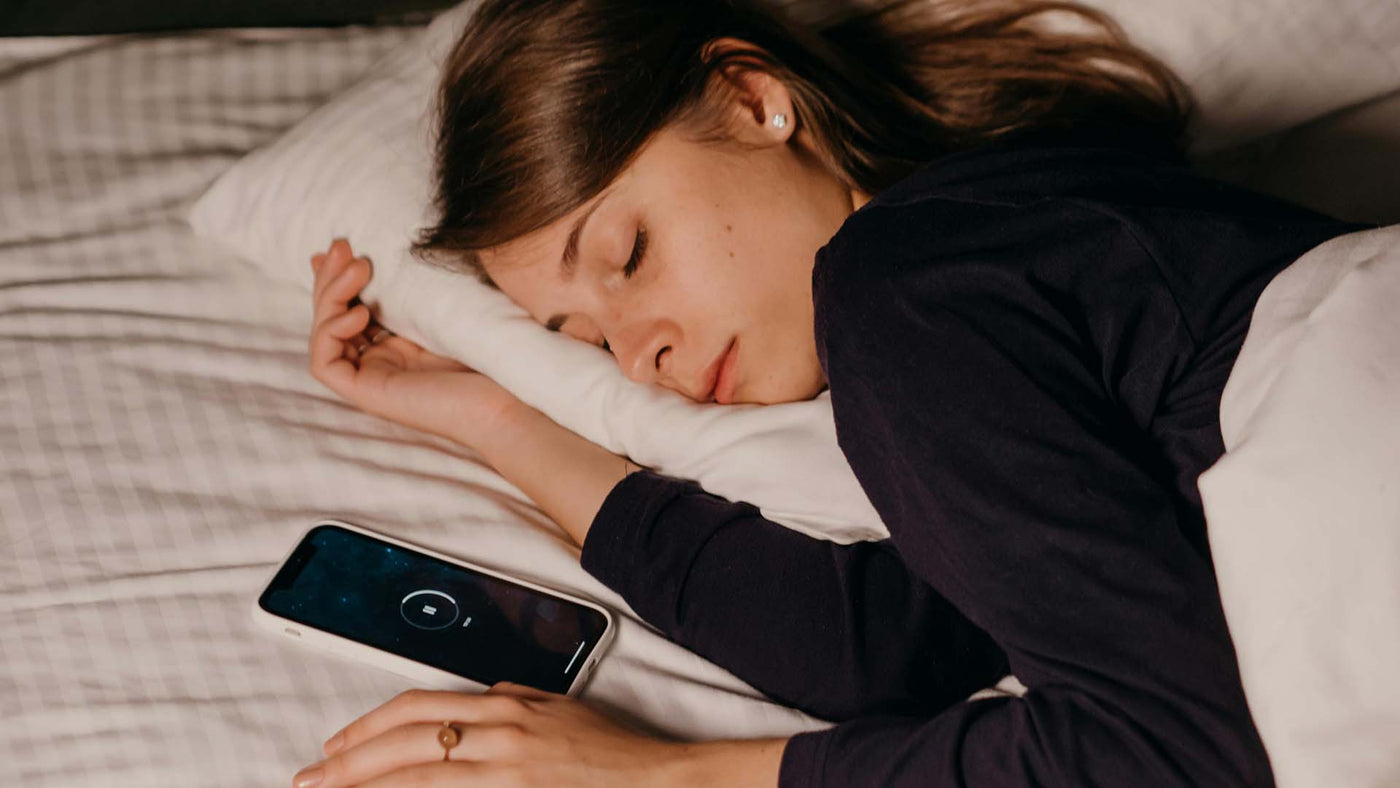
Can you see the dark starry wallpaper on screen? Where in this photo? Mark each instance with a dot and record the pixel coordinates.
(431, 611)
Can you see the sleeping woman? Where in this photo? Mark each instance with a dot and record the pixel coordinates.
(974, 224)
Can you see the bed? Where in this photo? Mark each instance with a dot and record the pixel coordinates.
(161, 443)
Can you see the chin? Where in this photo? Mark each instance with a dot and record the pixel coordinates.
(783, 391)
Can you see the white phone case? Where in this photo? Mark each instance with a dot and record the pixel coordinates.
(403, 666)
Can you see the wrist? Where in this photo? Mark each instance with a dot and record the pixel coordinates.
(499, 416)
(749, 763)
(566, 475)
(512, 413)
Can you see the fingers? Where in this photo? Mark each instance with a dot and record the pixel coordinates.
(416, 743)
(339, 279)
(333, 262)
(418, 705)
(332, 338)
(391, 750)
(448, 774)
(333, 353)
(338, 284)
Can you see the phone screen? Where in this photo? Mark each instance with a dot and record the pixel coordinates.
(407, 603)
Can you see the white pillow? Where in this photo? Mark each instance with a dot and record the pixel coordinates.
(359, 168)
(1262, 66)
(1304, 513)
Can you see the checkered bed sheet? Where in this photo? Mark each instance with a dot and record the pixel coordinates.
(162, 445)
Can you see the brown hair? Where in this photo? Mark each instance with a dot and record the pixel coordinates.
(543, 103)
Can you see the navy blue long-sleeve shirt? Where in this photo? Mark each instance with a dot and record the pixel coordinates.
(1025, 347)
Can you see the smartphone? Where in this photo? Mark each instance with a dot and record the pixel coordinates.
(428, 616)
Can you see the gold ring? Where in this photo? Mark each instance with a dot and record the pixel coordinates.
(448, 737)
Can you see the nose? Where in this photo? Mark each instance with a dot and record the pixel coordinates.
(644, 351)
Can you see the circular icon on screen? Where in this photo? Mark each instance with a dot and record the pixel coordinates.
(428, 609)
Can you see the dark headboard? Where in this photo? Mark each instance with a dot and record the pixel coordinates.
(84, 17)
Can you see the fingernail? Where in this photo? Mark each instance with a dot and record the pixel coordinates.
(335, 743)
(308, 778)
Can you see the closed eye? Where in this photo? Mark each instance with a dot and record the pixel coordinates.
(639, 250)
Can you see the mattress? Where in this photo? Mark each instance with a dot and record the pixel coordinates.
(162, 444)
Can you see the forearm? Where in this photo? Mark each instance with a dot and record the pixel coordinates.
(834, 630)
(569, 477)
(565, 474)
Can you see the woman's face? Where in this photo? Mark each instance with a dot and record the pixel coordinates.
(697, 259)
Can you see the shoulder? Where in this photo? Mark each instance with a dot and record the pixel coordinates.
(896, 258)
(1038, 163)
(1024, 228)
(887, 281)
(986, 199)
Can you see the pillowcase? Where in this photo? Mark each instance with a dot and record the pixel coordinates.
(1262, 66)
(359, 168)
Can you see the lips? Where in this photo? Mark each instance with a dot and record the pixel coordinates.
(719, 377)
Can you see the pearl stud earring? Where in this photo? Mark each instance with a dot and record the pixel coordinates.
(779, 121)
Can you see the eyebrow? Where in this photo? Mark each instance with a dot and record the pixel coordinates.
(568, 261)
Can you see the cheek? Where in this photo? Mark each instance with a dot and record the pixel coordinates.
(703, 286)
(738, 251)
(697, 260)
(739, 272)
(769, 266)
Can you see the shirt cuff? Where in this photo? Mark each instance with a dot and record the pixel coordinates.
(614, 547)
(646, 538)
(804, 760)
(614, 527)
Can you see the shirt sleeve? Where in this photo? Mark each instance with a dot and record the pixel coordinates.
(835, 630)
(972, 404)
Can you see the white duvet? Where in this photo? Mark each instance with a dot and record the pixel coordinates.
(1304, 514)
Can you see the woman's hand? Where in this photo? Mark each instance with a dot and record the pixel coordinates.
(392, 377)
(566, 475)
(511, 736)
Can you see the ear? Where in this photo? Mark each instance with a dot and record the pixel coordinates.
(758, 107)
